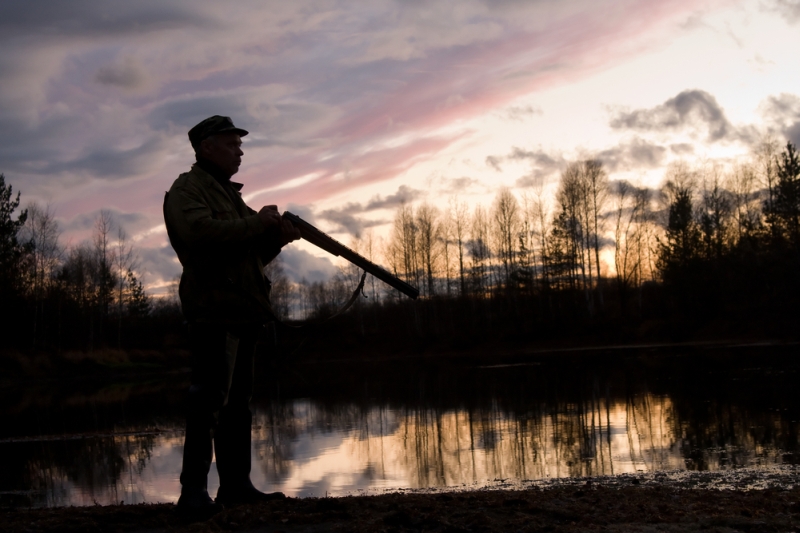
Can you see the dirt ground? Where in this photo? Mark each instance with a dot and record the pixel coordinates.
(743, 500)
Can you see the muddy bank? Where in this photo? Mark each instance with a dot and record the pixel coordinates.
(739, 500)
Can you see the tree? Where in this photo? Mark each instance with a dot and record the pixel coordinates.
(505, 215)
(124, 259)
(41, 233)
(459, 220)
(479, 250)
(402, 249)
(715, 217)
(11, 250)
(783, 212)
(138, 301)
(631, 237)
(569, 229)
(428, 242)
(682, 238)
(596, 186)
(104, 252)
(742, 183)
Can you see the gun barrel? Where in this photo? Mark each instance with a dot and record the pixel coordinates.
(332, 246)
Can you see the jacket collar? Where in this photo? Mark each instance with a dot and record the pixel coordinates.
(209, 181)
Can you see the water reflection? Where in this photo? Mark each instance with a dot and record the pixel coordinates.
(428, 430)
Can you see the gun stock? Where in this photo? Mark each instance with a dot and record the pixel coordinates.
(332, 246)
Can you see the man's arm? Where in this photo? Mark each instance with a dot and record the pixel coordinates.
(196, 223)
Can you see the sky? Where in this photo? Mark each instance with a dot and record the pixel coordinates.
(356, 107)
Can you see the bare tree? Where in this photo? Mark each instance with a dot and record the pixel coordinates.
(104, 253)
(446, 246)
(571, 222)
(506, 227)
(596, 187)
(631, 236)
(124, 259)
(742, 182)
(766, 167)
(41, 232)
(540, 216)
(716, 214)
(402, 249)
(459, 222)
(428, 242)
(479, 251)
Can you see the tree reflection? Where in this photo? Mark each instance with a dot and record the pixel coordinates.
(424, 427)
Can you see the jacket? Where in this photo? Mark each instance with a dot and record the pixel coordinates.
(222, 245)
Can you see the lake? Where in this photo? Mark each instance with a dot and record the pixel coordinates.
(347, 427)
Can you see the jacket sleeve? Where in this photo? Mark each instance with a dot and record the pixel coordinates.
(197, 224)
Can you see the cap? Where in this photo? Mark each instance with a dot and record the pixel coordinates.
(212, 126)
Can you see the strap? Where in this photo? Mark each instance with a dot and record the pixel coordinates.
(347, 305)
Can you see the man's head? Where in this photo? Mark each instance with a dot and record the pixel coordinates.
(219, 141)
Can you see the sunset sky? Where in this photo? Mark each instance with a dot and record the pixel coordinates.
(354, 107)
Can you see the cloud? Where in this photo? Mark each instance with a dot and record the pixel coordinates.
(303, 211)
(782, 114)
(299, 265)
(159, 264)
(636, 153)
(494, 162)
(132, 223)
(404, 195)
(521, 113)
(689, 109)
(542, 165)
(82, 18)
(346, 222)
(788, 9)
(129, 74)
(108, 163)
(682, 148)
(272, 117)
(615, 188)
(458, 185)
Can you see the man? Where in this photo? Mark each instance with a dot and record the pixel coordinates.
(223, 246)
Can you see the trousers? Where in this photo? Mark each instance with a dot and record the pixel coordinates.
(218, 416)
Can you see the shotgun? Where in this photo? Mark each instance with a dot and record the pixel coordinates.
(332, 246)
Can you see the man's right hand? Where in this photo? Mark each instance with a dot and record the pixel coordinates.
(270, 216)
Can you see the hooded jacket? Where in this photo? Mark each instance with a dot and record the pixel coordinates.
(223, 246)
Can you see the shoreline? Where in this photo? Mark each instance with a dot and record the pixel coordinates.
(742, 499)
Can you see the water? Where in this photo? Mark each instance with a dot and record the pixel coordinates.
(346, 428)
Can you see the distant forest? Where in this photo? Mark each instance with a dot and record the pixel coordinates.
(714, 253)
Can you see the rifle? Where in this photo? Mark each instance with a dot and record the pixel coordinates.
(332, 246)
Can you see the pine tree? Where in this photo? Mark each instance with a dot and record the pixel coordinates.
(11, 250)
(783, 211)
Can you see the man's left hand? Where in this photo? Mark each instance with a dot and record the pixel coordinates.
(289, 232)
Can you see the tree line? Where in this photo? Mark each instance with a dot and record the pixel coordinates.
(58, 298)
(714, 247)
(715, 250)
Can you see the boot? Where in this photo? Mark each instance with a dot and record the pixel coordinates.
(244, 493)
(196, 504)
(232, 446)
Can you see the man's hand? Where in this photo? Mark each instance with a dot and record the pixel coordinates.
(289, 232)
(271, 218)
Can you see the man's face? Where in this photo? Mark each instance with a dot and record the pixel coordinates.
(224, 150)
